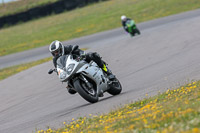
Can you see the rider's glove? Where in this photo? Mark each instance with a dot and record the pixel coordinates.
(83, 56)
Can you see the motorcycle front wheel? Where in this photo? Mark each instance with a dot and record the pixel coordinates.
(89, 95)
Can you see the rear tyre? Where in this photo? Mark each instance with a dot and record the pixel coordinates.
(115, 87)
(89, 95)
(137, 31)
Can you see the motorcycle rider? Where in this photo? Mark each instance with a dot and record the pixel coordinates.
(124, 19)
(57, 49)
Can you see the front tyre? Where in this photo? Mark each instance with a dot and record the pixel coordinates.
(89, 95)
(115, 87)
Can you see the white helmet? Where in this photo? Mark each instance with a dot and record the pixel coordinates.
(123, 17)
(56, 48)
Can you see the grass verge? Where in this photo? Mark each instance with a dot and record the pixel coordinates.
(6, 72)
(87, 20)
(176, 110)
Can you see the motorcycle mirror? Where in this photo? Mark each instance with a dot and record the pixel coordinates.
(50, 71)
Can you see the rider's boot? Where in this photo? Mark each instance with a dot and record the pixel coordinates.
(70, 90)
(108, 72)
(101, 93)
(132, 34)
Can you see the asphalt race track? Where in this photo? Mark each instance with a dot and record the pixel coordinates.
(165, 55)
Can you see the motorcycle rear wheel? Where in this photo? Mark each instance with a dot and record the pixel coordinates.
(90, 96)
(115, 87)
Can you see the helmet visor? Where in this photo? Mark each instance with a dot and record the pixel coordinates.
(56, 52)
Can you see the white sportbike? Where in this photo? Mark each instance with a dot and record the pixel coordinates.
(85, 78)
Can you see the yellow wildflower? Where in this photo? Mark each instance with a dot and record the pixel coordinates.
(195, 130)
(77, 125)
(131, 127)
(145, 121)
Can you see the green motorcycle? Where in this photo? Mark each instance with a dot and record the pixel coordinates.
(132, 28)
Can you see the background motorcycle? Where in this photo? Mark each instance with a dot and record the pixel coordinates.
(85, 78)
(132, 28)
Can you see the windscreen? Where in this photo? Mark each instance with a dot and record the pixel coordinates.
(61, 61)
(130, 23)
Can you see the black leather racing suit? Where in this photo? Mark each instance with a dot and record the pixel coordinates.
(89, 56)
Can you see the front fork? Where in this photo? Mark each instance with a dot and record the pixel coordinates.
(99, 91)
(86, 81)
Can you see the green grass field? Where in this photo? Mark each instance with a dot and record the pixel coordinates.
(84, 21)
(175, 111)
